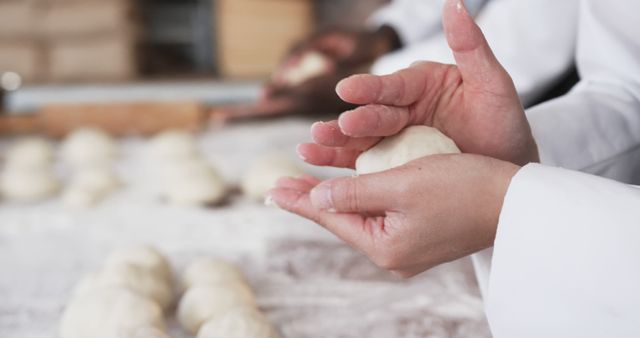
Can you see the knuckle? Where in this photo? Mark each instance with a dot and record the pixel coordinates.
(387, 259)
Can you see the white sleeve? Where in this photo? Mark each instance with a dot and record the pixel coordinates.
(415, 20)
(566, 259)
(596, 127)
(533, 39)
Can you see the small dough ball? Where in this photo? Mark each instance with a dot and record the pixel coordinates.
(89, 186)
(410, 144)
(108, 313)
(28, 185)
(173, 145)
(310, 65)
(145, 257)
(211, 271)
(88, 147)
(134, 278)
(30, 152)
(202, 303)
(239, 323)
(194, 183)
(265, 172)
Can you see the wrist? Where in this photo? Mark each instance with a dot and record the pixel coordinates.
(503, 173)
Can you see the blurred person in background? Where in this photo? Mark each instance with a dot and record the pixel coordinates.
(565, 251)
(534, 39)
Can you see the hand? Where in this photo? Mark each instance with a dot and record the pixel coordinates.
(347, 51)
(475, 103)
(411, 218)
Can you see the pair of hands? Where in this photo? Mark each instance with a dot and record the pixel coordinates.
(438, 208)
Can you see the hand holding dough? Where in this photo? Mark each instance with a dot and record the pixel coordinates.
(410, 144)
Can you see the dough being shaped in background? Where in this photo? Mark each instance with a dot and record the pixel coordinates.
(193, 183)
(172, 145)
(28, 184)
(310, 65)
(202, 303)
(89, 186)
(263, 174)
(144, 257)
(30, 152)
(211, 271)
(134, 278)
(108, 313)
(239, 322)
(87, 148)
(410, 144)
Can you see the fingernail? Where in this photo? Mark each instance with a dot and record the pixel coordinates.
(460, 7)
(299, 153)
(316, 124)
(321, 198)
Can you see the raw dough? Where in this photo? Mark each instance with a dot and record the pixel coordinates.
(89, 186)
(149, 332)
(239, 323)
(30, 152)
(88, 147)
(109, 313)
(311, 64)
(410, 144)
(134, 278)
(211, 271)
(265, 172)
(172, 145)
(28, 184)
(193, 183)
(145, 257)
(202, 303)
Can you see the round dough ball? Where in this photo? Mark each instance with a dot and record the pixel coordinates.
(211, 271)
(202, 303)
(87, 148)
(239, 323)
(173, 145)
(410, 144)
(108, 313)
(145, 257)
(30, 152)
(28, 185)
(265, 172)
(131, 277)
(193, 183)
(89, 186)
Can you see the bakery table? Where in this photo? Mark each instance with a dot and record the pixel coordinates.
(307, 282)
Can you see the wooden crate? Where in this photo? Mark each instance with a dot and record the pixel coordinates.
(23, 57)
(85, 18)
(18, 18)
(253, 35)
(101, 58)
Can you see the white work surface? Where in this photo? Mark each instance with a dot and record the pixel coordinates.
(308, 283)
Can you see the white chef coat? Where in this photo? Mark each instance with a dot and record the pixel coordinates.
(566, 261)
(566, 258)
(533, 39)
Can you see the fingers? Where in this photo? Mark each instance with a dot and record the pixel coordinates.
(329, 134)
(398, 89)
(328, 156)
(374, 120)
(348, 227)
(475, 59)
(366, 194)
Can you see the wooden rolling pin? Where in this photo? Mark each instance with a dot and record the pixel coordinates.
(118, 119)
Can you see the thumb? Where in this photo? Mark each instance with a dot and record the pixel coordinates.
(475, 59)
(366, 194)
